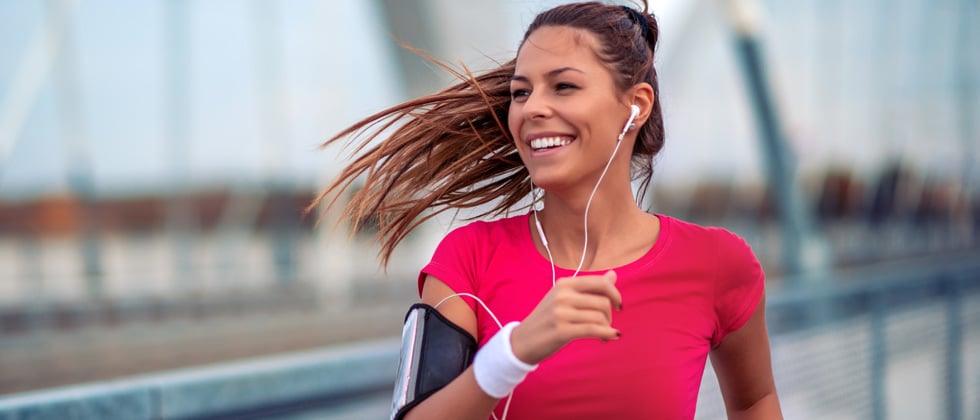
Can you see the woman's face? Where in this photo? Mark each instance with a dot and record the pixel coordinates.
(565, 110)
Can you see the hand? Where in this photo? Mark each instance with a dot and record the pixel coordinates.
(577, 307)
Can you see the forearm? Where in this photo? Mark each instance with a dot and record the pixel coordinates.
(766, 408)
(463, 398)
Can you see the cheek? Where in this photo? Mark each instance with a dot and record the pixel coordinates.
(514, 126)
(514, 123)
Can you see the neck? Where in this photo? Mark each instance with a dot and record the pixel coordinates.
(611, 214)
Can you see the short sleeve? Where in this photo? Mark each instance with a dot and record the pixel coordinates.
(739, 284)
(454, 262)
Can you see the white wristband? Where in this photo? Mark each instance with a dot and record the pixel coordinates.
(496, 368)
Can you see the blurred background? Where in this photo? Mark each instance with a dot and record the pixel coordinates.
(156, 158)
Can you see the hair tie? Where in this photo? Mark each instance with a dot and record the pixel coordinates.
(639, 19)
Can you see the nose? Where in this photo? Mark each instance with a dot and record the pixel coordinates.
(536, 107)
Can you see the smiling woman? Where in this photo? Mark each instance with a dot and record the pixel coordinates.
(586, 288)
(555, 108)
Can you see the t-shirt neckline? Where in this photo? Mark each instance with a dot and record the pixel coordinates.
(527, 244)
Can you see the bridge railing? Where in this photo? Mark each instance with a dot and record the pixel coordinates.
(869, 344)
(898, 342)
(230, 390)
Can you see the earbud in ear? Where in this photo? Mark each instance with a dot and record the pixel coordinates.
(634, 111)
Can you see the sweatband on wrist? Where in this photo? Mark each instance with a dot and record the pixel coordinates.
(497, 369)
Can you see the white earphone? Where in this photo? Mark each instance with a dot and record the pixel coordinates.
(634, 111)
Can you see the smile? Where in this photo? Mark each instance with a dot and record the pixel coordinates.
(543, 143)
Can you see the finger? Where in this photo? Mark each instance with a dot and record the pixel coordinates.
(589, 330)
(611, 276)
(617, 298)
(603, 285)
(576, 316)
(588, 302)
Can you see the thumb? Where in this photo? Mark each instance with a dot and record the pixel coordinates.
(611, 275)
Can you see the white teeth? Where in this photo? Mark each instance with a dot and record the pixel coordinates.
(546, 142)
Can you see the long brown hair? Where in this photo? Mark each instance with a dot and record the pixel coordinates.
(452, 150)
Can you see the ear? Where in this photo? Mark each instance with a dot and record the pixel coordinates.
(642, 96)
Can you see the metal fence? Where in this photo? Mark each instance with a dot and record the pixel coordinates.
(901, 342)
(900, 346)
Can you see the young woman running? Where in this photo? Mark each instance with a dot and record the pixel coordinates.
(583, 305)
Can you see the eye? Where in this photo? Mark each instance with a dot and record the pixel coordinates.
(519, 94)
(565, 86)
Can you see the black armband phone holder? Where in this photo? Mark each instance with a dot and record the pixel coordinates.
(434, 352)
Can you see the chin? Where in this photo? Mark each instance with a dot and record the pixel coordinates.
(548, 182)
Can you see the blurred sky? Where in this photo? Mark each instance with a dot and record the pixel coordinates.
(267, 81)
(331, 76)
(335, 63)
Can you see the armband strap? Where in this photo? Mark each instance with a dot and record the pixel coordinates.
(498, 371)
(434, 352)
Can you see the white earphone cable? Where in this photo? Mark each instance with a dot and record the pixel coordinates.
(588, 204)
(510, 396)
(544, 241)
(634, 111)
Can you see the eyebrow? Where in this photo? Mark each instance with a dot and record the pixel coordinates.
(549, 75)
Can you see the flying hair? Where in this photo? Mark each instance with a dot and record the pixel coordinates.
(452, 150)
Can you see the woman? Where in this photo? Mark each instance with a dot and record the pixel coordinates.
(610, 311)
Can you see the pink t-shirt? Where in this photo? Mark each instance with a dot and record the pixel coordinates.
(692, 288)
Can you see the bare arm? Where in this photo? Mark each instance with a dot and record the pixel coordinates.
(463, 396)
(576, 308)
(744, 369)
